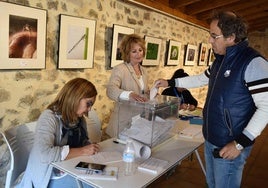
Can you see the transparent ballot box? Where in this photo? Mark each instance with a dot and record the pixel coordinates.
(147, 122)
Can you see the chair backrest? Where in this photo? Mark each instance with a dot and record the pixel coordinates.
(94, 126)
(19, 140)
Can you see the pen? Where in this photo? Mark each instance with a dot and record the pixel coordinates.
(118, 141)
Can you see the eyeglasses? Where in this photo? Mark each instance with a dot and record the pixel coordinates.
(89, 104)
(214, 36)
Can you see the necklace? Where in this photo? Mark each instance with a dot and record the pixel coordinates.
(137, 71)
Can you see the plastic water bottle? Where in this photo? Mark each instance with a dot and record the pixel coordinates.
(129, 158)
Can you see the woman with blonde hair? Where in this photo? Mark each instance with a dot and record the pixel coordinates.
(129, 80)
(61, 134)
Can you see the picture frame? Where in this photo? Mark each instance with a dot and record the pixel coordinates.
(119, 32)
(203, 54)
(211, 57)
(173, 55)
(190, 55)
(76, 42)
(153, 47)
(22, 36)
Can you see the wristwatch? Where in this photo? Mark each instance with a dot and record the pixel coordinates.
(238, 146)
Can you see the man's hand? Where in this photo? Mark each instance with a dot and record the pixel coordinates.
(229, 151)
(161, 83)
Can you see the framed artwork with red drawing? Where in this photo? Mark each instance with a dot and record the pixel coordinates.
(22, 36)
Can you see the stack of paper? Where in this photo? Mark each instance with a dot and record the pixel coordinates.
(141, 129)
(153, 165)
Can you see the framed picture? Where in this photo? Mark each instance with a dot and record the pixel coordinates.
(76, 42)
(211, 57)
(118, 34)
(203, 54)
(174, 49)
(22, 36)
(152, 56)
(190, 55)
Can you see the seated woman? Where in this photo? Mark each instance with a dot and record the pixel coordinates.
(61, 134)
(188, 102)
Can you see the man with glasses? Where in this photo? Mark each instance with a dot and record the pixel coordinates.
(236, 108)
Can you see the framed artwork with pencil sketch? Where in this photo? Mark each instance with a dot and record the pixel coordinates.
(153, 46)
(190, 55)
(203, 54)
(118, 34)
(76, 42)
(173, 54)
(22, 36)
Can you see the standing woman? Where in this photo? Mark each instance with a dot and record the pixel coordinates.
(61, 134)
(129, 79)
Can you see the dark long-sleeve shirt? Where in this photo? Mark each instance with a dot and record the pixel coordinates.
(185, 95)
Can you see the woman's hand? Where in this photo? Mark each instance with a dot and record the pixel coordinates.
(87, 150)
(184, 106)
(137, 97)
(91, 149)
(189, 107)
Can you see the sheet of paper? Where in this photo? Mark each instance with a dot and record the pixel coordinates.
(191, 131)
(106, 157)
(196, 112)
(153, 91)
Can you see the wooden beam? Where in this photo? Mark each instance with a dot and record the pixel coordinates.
(258, 21)
(256, 10)
(260, 16)
(181, 3)
(259, 27)
(205, 5)
(170, 11)
(237, 7)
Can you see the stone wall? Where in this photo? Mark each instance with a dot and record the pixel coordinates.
(24, 94)
(259, 41)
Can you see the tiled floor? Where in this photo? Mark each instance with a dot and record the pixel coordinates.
(189, 173)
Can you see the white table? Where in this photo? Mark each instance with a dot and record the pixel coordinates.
(173, 150)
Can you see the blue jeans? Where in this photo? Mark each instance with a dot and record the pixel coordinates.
(223, 173)
(66, 182)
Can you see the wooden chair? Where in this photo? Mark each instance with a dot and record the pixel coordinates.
(19, 140)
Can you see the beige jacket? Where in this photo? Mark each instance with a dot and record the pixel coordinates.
(123, 78)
